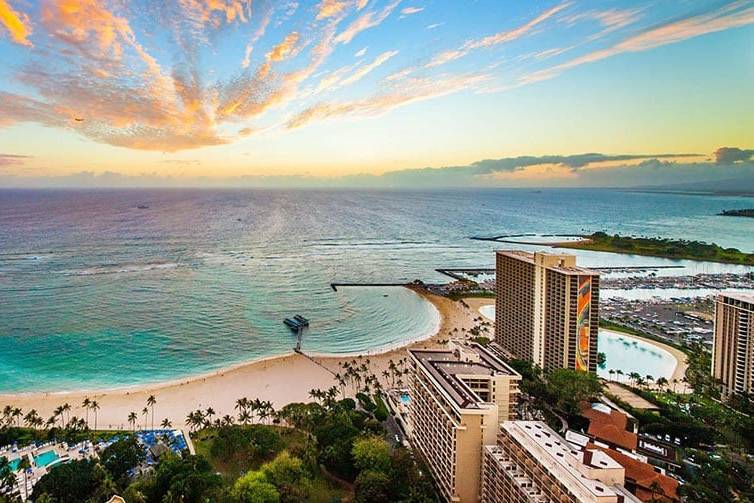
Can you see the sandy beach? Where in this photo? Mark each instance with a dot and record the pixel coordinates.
(281, 380)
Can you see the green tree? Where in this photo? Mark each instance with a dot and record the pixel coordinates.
(120, 457)
(187, 479)
(372, 486)
(79, 480)
(371, 453)
(7, 477)
(255, 488)
(568, 388)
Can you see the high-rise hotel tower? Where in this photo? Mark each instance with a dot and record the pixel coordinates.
(547, 309)
(733, 348)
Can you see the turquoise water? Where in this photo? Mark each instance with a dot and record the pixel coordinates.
(96, 293)
(14, 464)
(623, 352)
(46, 458)
(629, 354)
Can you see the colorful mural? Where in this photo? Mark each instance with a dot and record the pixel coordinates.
(583, 325)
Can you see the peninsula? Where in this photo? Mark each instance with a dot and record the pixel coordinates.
(661, 247)
(749, 212)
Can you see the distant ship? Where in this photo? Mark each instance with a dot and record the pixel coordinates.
(143, 207)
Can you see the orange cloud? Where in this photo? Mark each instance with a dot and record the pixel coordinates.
(17, 24)
(284, 49)
(330, 8)
(214, 12)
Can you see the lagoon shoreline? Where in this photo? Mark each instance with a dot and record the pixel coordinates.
(280, 379)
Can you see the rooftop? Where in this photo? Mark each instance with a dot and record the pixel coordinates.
(562, 263)
(609, 425)
(742, 296)
(643, 475)
(445, 366)
(567, 464)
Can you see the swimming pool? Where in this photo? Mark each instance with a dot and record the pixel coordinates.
(629, 354)
(623, 352)
(45, 458)
(14, 464)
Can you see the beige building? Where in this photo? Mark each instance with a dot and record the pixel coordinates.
(458, 397)
(733, 347)
(530, 463)
(547, 309)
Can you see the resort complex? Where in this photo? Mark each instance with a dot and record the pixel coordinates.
(733, 348)
(530, 463)
(547, 309)
(457, 399)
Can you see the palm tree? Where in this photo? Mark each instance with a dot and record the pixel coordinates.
(58, 413)
(208, 414)
(25, 465)
(132, 417)
(166, 423)
(17, 415)
(612, 373)
(661, 383)
(619, 372)
(31, 417)
(95, 407)
(67, 408)
(145, 413)
(86, 404)
(649, 378)
(152, 401)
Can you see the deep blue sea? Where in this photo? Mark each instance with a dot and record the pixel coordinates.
(96, 292)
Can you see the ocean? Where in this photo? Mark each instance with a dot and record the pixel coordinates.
(110, 288)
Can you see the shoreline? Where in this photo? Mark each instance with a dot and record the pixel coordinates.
(681, 363)
(281, 379)
(154, 385)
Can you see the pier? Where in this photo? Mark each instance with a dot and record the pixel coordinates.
(335, 286)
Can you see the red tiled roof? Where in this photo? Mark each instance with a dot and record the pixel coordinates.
(610, 428)
(643, 475)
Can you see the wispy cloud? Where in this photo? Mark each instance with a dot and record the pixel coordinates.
(365, 21)
(410, 91)
(732, 15)
(495, 39)
(367, 69)
(407, 11)
(13, 159)
(16, 23)
(330, 8)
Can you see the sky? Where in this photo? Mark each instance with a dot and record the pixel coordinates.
(376, 92)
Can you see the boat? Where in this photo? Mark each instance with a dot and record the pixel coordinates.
(143, 207)
(292, 324)
(301, 320)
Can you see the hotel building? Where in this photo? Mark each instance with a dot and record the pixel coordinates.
(547, 309)
(458, 397)
(733, 347)
(530, 463)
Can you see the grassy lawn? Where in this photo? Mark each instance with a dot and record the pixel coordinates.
(660, 247)
(234, 450)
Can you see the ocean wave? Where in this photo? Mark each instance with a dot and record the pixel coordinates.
(121, 269)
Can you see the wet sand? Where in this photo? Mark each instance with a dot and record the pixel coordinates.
(281, 380)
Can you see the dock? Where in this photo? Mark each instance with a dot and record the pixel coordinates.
(335, 286)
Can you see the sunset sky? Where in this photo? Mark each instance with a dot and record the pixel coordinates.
(484, 92)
